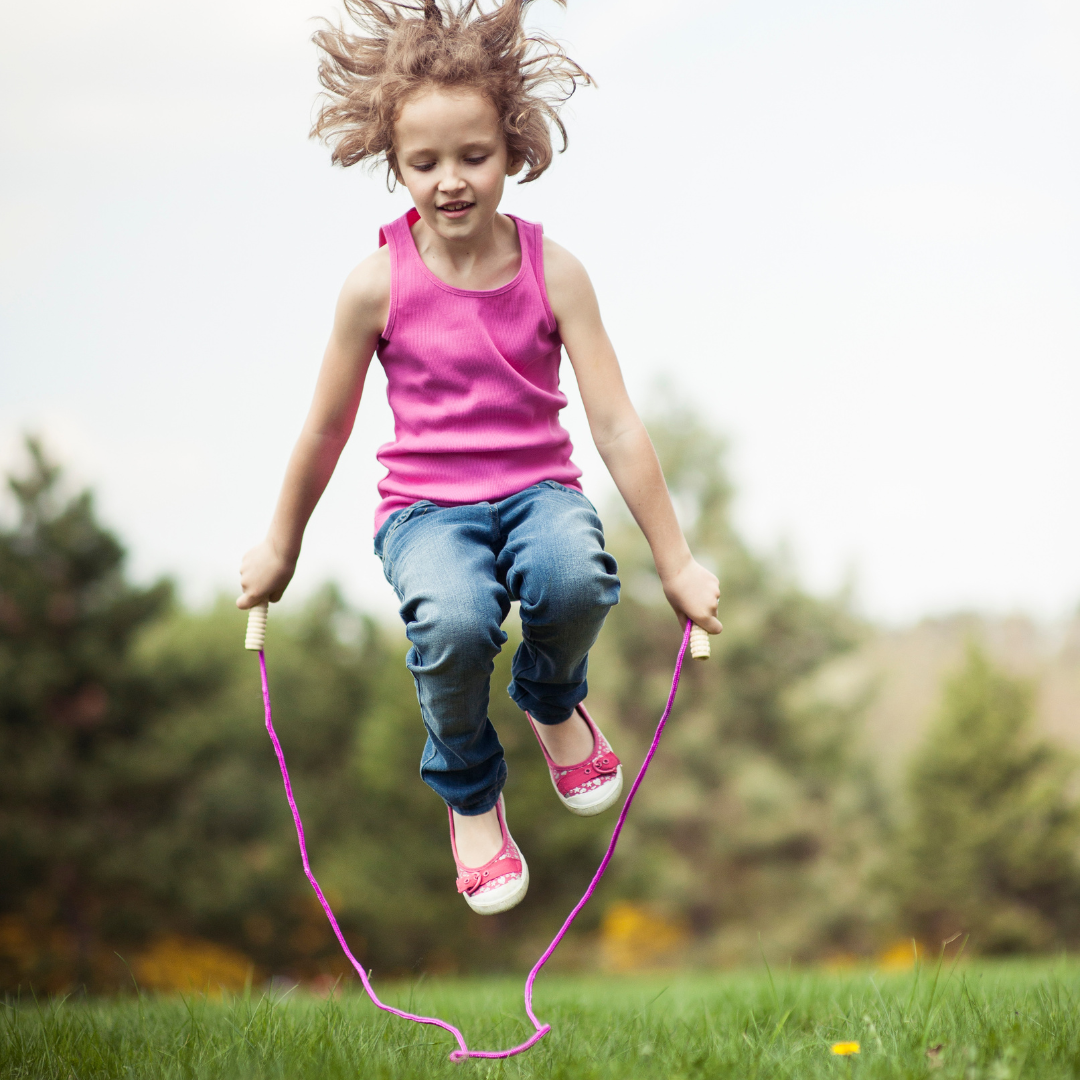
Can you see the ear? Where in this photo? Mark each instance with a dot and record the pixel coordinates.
(514, 166)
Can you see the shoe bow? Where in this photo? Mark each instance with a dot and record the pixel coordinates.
(470, 881)
(604, 765)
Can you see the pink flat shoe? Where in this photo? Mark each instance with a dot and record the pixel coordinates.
(592, 785)
(502, 882)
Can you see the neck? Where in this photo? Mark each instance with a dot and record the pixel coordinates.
(485, 259)
(461, 253)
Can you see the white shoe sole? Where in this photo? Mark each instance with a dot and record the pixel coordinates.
(596, 801)
(502, 898)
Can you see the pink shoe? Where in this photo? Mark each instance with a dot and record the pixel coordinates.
(502, 882)
(591, 786)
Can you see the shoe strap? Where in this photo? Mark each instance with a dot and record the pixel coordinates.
(470, 880)
(602, 763)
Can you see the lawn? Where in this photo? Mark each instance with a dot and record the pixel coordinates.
(981, 1020)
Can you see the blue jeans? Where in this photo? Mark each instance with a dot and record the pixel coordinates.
(456, 570)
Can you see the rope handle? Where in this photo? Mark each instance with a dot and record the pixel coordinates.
(255, 639)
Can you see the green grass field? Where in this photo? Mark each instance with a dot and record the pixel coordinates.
(992, 1021)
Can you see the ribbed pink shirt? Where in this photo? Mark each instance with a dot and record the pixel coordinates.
(473, 382)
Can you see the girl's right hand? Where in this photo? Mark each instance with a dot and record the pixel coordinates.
(264, 574)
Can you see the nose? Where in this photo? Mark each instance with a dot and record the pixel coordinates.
(451, 181)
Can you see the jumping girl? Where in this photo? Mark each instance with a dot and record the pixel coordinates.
(468, 310)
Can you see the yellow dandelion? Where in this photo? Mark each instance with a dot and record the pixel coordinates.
(845, 1048)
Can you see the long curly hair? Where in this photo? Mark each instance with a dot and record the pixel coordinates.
(398, 49)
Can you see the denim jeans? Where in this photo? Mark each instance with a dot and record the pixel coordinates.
(456, 570)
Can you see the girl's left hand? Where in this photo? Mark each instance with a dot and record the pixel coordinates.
(694, 592)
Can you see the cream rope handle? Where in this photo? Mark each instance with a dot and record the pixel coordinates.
(256, 627)
(699, 643)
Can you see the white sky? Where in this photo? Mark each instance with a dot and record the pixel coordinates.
(849, 232)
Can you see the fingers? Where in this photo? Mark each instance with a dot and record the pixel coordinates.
(263, 577)
(694, 594)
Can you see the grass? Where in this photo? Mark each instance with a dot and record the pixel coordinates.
(991, 1021)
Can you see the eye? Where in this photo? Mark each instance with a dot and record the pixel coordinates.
(476, 159)
(424, 166)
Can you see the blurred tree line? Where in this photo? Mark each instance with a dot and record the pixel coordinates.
(142, 819)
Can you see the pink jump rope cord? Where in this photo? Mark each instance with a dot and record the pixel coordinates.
(463, 1052)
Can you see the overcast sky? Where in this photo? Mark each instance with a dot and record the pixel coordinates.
(848, 232)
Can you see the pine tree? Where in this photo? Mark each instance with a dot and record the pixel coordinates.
(994, 833)
(68, 618)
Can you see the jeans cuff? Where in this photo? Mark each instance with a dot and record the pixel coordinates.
(483, 808)
(549, 712)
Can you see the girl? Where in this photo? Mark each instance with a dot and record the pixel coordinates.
(468, 310)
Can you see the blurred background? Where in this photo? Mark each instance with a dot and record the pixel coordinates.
(835, 245)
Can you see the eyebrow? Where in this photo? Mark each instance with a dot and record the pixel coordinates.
(467, 148)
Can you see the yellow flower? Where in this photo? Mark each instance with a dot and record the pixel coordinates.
(845, 1048)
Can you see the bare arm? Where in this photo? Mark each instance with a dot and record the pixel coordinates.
(622, 440)
(268, 567)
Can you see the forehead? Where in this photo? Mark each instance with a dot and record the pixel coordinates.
(440, 117)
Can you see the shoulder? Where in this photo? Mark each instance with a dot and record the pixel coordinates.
(370, 280)
(560, 265)
(365, 296)
(567, 281)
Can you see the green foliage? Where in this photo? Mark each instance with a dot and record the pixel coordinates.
(992, 844)
(759, 816)
(162, 812)
(139, 795)
(71, 710)
(980, 1022)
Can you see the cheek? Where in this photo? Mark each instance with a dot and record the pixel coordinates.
(494, 177)
(418, 182)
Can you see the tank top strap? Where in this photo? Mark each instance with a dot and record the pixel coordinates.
(531, 235)
(526, 232)
(405, 275)
(408, 220)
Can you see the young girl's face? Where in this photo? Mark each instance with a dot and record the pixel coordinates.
(452, 157)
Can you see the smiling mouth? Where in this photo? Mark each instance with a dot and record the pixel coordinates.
(455, 207)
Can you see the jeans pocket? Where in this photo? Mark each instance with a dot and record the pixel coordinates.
(575, 492)
(390, 528)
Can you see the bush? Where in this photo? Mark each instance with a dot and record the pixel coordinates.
(991, 845)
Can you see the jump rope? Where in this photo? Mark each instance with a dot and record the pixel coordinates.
(694, 638)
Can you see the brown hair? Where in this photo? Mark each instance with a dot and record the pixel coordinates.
(402, 48)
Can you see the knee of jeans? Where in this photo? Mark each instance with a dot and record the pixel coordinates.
(463, 637)
(586, 593)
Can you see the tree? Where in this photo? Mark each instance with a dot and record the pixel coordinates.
(994, 832)
(760, 815)
(68, 702)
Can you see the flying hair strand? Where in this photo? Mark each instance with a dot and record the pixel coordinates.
(395, 49)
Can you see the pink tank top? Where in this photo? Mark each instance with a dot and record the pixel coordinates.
(473, 382)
